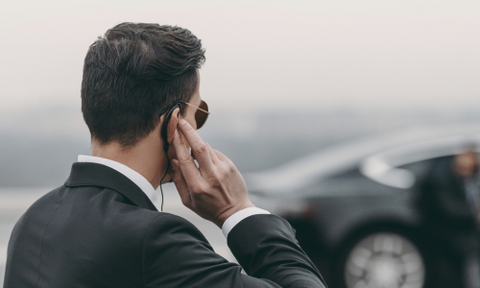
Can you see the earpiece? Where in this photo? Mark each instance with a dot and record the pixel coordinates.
(165, 127)
(164, 135)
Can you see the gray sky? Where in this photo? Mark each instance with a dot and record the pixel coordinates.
(264, 54)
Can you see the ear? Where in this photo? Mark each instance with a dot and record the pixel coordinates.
(172, 125)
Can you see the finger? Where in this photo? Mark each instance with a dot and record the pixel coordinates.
(220, 156)
(199, 148)
(213, 155)
(225, 160)
(181, 185)
(188, 168)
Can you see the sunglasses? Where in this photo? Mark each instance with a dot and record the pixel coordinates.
(202, 113)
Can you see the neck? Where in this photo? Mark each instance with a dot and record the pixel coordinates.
(146, 157)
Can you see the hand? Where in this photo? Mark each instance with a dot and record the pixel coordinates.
(215, 189)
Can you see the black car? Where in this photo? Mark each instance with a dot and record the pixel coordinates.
(354, 208)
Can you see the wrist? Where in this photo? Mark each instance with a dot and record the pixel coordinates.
(220, 220)
(238, 217)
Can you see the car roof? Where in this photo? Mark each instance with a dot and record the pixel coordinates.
(376, 156)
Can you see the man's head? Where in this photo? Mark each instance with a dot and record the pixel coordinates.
(133, 74)
(466, 163)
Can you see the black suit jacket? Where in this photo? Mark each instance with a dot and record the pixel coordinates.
(101, 230)
(443, 198)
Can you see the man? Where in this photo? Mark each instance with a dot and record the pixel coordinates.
(141, 103)
(449, 190)
(449, 201)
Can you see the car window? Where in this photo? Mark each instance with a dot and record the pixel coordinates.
(418, 168)
(347, 183)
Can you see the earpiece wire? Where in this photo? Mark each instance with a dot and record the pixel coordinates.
(161, 190)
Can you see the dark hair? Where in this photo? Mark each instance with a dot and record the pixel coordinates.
(132, 74)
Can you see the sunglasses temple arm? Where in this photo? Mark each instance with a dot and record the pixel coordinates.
(203, 110)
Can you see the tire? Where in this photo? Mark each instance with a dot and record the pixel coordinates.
(383, 260)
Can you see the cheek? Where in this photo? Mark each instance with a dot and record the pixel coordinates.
(192, 122)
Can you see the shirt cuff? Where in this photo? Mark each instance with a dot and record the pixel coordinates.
(238, 216)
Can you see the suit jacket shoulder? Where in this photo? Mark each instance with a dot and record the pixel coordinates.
(101, 230)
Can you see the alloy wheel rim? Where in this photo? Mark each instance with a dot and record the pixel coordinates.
(384, 260)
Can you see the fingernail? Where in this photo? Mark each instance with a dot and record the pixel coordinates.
(176, 133)
(182, 122)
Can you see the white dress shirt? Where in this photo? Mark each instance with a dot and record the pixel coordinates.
(148, 189)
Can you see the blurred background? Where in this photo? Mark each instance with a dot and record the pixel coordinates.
(283, 80)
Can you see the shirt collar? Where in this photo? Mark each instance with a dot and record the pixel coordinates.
(128, 172)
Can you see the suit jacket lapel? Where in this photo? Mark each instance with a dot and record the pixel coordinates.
(93, 174)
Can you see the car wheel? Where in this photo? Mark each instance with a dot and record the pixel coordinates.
(384, 260)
